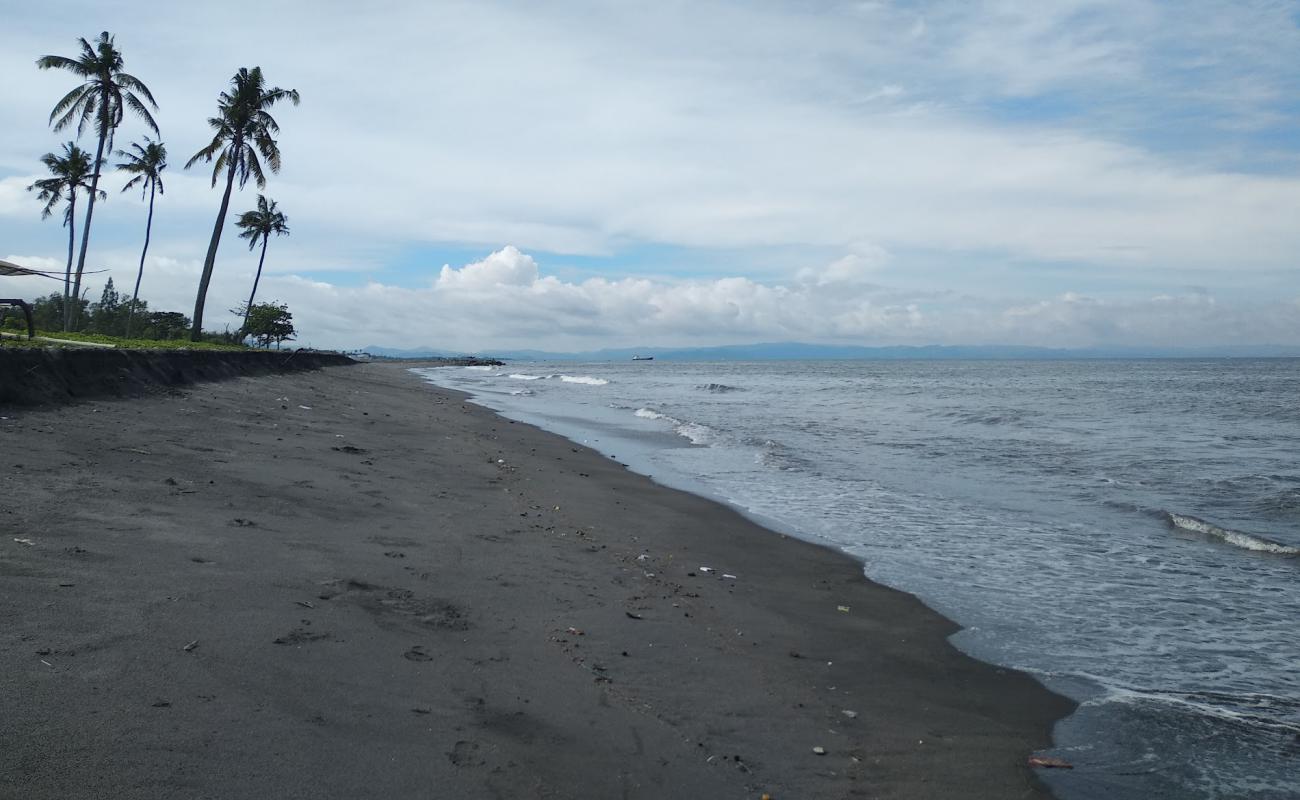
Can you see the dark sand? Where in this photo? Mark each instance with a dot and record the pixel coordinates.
(225, 595)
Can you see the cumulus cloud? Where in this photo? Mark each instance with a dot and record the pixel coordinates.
(893, 148)
(506, 267)
(507, 300)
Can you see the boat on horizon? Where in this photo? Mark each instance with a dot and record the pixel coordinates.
(643, 358)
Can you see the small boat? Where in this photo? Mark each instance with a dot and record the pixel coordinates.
(643, 358)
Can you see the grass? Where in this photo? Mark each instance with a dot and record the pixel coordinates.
(116, 341)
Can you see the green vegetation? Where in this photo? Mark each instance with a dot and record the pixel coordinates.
(103, 96)
(70, 172)
(261, 222)
(243, 147)
(52, 338)
(146, 165)
(106, 318)
(269, 322)
(244, 129)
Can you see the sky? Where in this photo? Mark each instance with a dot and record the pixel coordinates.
(577, 175)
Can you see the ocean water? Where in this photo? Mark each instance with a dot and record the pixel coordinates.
(1126, 531)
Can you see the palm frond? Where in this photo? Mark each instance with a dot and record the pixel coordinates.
(133, 103)
(68, 101)
(59, 62)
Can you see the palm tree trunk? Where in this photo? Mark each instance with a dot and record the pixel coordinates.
(257, 279)
(148, 227)
(85, 233)
(196, 331)
(72, 235)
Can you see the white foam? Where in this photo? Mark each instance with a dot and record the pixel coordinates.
(698, 434)
(695, 432)
(1245, 541)
(517, 376)
(481, 369)
(584, 379)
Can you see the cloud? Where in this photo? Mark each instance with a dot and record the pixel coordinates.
(507, 300)
(1141, 143)
(506, 267)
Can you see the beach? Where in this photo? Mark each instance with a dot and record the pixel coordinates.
(348, 583)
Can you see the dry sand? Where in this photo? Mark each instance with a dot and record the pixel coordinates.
(349, 584)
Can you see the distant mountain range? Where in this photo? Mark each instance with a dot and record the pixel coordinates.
(789, 351)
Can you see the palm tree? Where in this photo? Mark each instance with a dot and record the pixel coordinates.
(70, 171)
(244, 129)
(260, 224)
(145, 165)
(101, 99)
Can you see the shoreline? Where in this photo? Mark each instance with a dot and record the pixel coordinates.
(384, 591)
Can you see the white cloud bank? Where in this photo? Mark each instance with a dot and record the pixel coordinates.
(507, 301)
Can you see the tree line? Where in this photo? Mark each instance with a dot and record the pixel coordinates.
(243, 147)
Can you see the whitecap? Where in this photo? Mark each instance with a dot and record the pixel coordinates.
(1246, 541)
(584, 379)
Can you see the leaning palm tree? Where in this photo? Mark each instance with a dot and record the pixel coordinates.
(260, 223)
(145, 166)
(101, 99)
(244, 129)
(71, 174)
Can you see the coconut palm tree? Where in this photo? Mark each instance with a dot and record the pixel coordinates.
(244, 129)
(101, 100)
(71, 173)
(145, 165)
(260, 223)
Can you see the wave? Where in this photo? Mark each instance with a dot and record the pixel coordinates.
(583, 379)
(694, 431)
(719, 388)
(481, 369)
(1246, 541)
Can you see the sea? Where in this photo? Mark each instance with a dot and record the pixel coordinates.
(1128, 532)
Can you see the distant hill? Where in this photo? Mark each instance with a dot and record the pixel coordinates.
(792, 351)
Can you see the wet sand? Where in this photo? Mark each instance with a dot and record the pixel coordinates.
(347, 583)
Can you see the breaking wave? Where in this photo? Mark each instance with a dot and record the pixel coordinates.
(719, 388)
(695, 432)
(584, 379)
(1246, 541)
